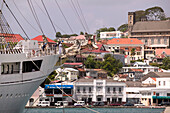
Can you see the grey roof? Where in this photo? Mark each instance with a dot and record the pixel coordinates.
(151, 26)
(137, 84)
(91, 80)
(156, 75)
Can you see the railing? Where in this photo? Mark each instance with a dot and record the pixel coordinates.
(11, 51)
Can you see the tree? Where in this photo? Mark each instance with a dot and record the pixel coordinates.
(81, 33)
(139, 14)
(155, 13)
(90, 62)
(166, 63)
(123, 27)
(133, 52)
(111, 29)
(58, 35)
(111, 64)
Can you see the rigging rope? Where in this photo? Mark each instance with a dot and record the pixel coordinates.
(83, 16)
(35, 15)
(76, 12)
(24, 17)
(64, 16)
(15, 18)
(49, 16)
(46, 15)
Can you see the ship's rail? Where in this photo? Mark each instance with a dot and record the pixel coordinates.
(11, 51)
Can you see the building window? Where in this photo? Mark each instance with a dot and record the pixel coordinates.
(108, 90)
(120, 90)
(168, 94)
(84, 89)
(114, 89)
(165, 40)
(146, 41)
(159, 40)
(159, 83)
(164, 83)
(157, 94)
(152, 40)
(89, 89)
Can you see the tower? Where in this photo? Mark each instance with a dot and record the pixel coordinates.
(131, 21)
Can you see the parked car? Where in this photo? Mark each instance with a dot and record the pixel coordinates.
(115, 104)
(61, 103)
(98, 104)
(164, 104)
(44, 103)
(128, 104)
(139, 104)
(79, 103)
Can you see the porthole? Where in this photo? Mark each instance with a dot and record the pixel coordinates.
(7, 96)
(11, 95)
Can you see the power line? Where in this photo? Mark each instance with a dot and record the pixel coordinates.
(35, 15)
(64, 16)
(83, 16)
(76, 12)
(46, 15)
(15, 18)
(24, 17)
(49, 16)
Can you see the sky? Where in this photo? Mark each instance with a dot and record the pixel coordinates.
(97, 13)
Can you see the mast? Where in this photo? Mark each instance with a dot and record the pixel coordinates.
(7, 37)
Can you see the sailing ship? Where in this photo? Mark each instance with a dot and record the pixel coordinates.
(23, 67)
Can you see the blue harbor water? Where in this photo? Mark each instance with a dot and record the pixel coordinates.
(101, 110)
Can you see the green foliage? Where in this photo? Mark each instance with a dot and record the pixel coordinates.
(90, 62)
(133, 52)
(81, 33)
(155, 13)
(139, 14)
(123, 27)
(104, 30)
(110, 64)
(166, 63)
(58, 34)
(154, 64)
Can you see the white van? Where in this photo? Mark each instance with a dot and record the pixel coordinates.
(79, 103)
(44, 103)
(61, 103)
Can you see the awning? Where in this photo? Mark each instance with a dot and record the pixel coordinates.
(161, 97)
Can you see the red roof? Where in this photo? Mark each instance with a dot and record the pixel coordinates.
(73, 63)
(80, 69)
(40, 39)
(160, 51)
(136, 70)
(95, 50)
(12, 37)
(154, 79)
(124, 41)
(123, 76)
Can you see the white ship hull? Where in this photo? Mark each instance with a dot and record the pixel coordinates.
(16, 89)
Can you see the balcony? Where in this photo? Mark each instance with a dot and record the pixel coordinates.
(99, 93)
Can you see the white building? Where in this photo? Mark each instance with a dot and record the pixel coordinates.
(143, 66)
(66, 74)
(106, 90)
(111, 34)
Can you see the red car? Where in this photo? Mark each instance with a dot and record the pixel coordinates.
(115, 104)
